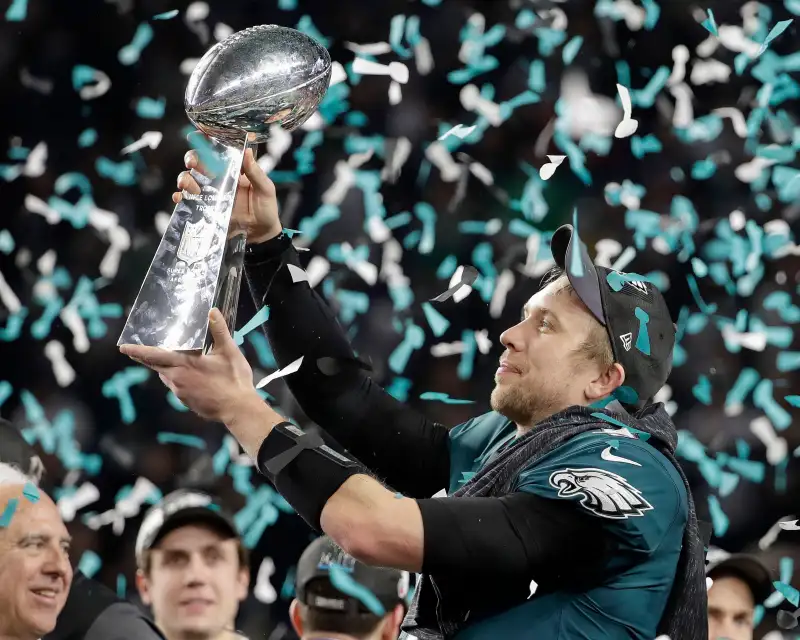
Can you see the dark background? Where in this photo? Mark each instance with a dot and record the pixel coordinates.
(54, 37)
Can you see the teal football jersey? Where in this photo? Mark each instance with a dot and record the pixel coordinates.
(637, 496)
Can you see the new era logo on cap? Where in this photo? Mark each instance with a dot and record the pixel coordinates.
(627, 340)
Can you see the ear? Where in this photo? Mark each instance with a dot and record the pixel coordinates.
(604, 384)
(243, 584)
(143, 587)
(295, 617)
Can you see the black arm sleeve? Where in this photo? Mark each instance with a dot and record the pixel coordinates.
(399, 444)
(516, 537)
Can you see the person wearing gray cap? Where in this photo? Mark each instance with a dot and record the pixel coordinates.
(92, 611)
(338, 596)
(739, 583)
(192, 567)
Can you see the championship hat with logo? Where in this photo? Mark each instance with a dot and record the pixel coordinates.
(328, 578)
(178, 509)
(15, 451)
(748, 568)
(632, 310)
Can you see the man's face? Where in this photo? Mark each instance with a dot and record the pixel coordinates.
(730, 610)
(544, 373)
(35, 572)
(195, 583)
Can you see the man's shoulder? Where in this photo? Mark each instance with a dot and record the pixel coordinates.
(484, 425)
(123, 621)
(610, 474)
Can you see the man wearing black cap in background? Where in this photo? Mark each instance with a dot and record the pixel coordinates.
(567, 515)
(338, 596)
(92, 611)
(740, 582)
(193, 569)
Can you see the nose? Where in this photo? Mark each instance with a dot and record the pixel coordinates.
(512, 338)
(196, 571)
(57, 566)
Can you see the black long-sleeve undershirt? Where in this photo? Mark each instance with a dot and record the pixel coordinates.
(399, 444)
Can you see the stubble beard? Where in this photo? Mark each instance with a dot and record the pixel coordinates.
(523, 405)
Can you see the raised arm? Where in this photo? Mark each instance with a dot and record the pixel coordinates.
(400, 445)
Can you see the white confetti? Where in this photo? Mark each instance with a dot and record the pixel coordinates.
(8, 297)
(772, 534)
(709, 583)
(40, 85)
(338, 74)
(752, 170)
(755, 341)
(606, 250)
(482, 173)
(548, 169)
(737, 119)
(36, 162)
(188, 65)
(459, 131)
(482, 341)
(532, 587)
(73, 321)
(397, 71)
(438, 155)
(263, 590)
(680, 56)
(472, 100)
(395, 93)
(149, 139)
(318, 268)
(505, 282)
(62, 370)
(400, 152)
(624, 259)
(372, 49)
(445, 349)
(791, 525)
(101, 86)
(423, 57)
(70, 504)
(280, 373)
(683, 116)
(627, 126)
(706, 71)
(222, 31)
(776, 446)
(298, 275)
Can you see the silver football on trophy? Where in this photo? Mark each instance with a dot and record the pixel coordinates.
(254, 78)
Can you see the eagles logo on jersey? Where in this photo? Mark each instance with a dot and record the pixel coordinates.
(604, 493)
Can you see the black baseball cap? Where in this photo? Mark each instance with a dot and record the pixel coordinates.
(178, 509)
(15, 451)
(353, 587)
(744, 566)
(633, 312)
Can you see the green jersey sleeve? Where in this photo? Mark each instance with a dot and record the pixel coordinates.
(630, 487)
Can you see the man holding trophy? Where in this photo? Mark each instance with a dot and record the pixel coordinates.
(510, 552)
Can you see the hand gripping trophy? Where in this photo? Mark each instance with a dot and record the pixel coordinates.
(253, 79)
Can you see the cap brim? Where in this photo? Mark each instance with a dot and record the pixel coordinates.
(751, 570)
(195, 515)
(570, 255)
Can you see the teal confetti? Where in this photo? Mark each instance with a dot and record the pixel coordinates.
(467, 362)
(788, 361)
(87, 138)
(167, 15)
(90, 563)
(719, 520)
(793, 400)
(118, 386)
(122, 586)
(704, 308)
(709, 24)
(764, 400)
(576, 266)
(399, 388)
(176, 404)
(571, 49)
(780, 475)
(788, 592)
(256, 321)
(266, 518)
(745, 383)
(123, 173)
(6, 241)
(345, 583)
(305, 25)
(287, 589)
(442, 397)
(8, 513)
(151, 108)
(287, 5)
(640, 147)
(752, 470)
(179, 438)
(129, 54)
(777, 30)
(642, 338)
(31, 492)
(437, 322)
(413, 340)
(702, 390)
(18, 11)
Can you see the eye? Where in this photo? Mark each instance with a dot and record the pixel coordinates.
(544, 324)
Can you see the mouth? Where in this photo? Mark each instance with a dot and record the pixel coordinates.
(506, 369)
(196, 603)
(47, 595)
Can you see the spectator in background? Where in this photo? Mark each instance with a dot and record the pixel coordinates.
(92, 611)
(35, 573)
(193, 569)
(740, 582)
(356, 601)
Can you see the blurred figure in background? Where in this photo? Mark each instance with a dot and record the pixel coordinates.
(92, 611)
(740, 582)
(193, 569)
(35, 573)
(340, 597)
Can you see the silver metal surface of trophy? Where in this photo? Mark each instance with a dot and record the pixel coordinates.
(254, 79)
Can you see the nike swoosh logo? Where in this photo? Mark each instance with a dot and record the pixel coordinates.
(607, 455)
(619, 432)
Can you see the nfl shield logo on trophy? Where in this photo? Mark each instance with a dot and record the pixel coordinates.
(195, 241)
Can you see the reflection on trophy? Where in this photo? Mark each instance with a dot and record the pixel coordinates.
(253, 79)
